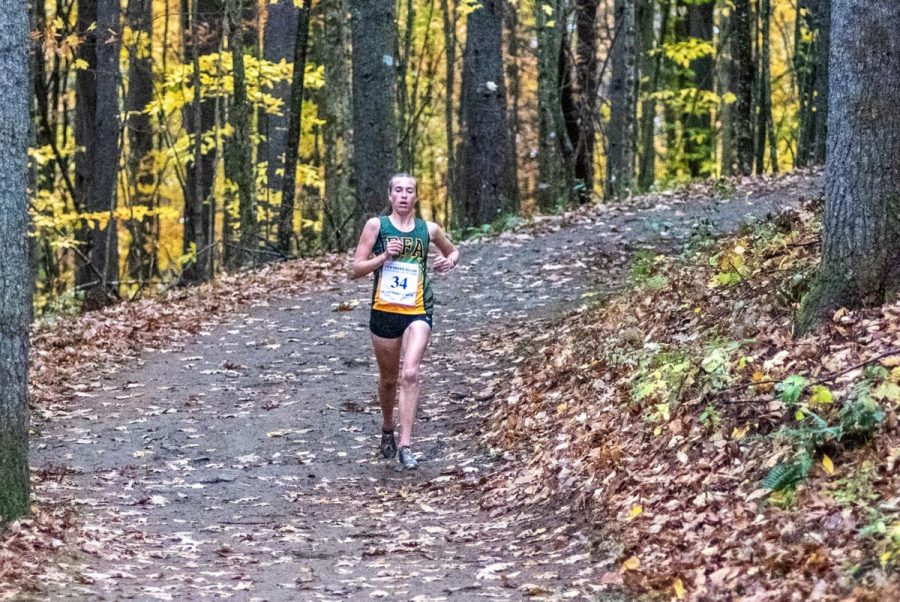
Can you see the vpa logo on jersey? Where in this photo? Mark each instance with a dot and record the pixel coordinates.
(412, 247)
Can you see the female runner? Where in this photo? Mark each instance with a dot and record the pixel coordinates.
(395, 248)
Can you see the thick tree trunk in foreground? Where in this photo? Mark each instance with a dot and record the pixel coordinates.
(620, 154)
(374, 122)
(97, 131)
(861, 236)
(15, 276)
(487, 183)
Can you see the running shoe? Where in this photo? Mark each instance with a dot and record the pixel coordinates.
(407, 459)
(388, 446)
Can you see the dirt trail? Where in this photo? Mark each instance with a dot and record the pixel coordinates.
(243, 464)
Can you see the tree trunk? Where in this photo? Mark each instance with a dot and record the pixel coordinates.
(554, 180)
(97, 131)
(511, 19)
(16, 291)
(741, 85)
(486, 181)
(861, 234)
(805, 72)
(586, 72)
(652, 69)
(823, 44)
(292, 143)
(448, 12)
(374, 122)
(278, 45)
(203, 36)
(335, 106)
(764, 89)
(698, 123)
(238, 150)
(141, 172)
(620, 154)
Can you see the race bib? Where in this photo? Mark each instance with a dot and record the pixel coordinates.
(399, 283)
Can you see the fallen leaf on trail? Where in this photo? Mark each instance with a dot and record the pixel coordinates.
(611, 578)
(491, 570)
(347, 305)
(632, 564)
(678, 588)
(827, 464)
(635, 511)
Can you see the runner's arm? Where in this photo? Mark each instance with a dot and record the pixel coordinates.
(363, 262)
(449, 252)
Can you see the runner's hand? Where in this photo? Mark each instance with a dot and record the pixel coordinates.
(443, 265)
(394, 248)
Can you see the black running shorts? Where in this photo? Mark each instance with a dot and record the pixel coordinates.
(389, 325)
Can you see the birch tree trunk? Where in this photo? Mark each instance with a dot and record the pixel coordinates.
(861, 235)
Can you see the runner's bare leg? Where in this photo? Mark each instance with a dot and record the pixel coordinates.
(415, 340)
(387, 354)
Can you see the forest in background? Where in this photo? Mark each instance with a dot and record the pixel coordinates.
(139, 182)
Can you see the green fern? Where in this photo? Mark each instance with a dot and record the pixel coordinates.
(785, 475)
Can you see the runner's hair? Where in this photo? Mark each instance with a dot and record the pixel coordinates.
(402, 174)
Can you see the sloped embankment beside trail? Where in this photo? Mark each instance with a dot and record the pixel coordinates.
(729, 460)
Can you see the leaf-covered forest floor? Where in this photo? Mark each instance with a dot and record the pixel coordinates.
(582, 431)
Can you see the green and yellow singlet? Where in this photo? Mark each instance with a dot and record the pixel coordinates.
(401, 285)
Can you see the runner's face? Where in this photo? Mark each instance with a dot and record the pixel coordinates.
(403, 194)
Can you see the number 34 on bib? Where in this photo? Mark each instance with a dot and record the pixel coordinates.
(399, 283)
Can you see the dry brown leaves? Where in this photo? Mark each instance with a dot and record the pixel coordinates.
(28, 543)
(680, 485)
